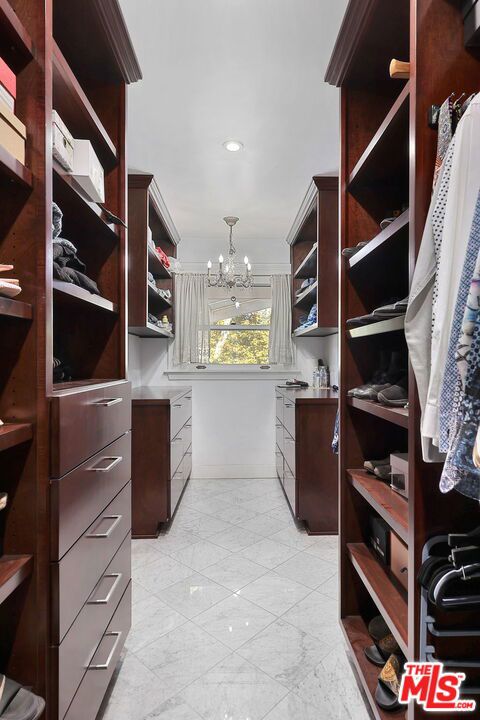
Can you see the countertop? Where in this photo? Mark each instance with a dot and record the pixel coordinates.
(158, 394)
(307, 396)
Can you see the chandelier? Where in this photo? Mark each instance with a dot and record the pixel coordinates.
(227, 275)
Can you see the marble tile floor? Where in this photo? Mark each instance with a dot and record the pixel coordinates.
(235, 616)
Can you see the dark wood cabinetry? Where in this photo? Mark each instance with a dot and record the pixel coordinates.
(161, 455)
(306, 464)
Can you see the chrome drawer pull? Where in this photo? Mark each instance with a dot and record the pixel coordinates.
(116, 519)
(287, 405)
(108, 402)
(110, 466)
(106, 665)
(106, 600)
(188, 453)
(177, 439)
(178, 405)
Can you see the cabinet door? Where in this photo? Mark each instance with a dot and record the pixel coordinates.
(289, 485)
(289, 417)
(279, 464)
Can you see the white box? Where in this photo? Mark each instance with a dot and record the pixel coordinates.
(63, 148)
(88, 171)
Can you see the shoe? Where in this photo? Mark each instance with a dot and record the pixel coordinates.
(351, 251)
(370, 465)
(383, 472)
(3, 500)
(371, 392)
(388, 686)
(305, 284)
(396, 395)
(379, 653)
(377, 376)
(9, 289)
(392, 310)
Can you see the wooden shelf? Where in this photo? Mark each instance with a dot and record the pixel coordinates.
(15, 309)
(75, 294)
(315, 331)
(77, 112)
(391, 506)
(12, 434)
(150, 330)
(397, 416)
(158, 299)
(14, 570)
(69, 197)
(156, 267)
(14, 38)
(382, 241)
(389, 599)
(378, 328)
(14, 171)
(358, 638)
(308, 267)
(308, 298)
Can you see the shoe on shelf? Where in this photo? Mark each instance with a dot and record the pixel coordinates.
(379, 653)
(377, 375)
(396, 395)
(383, 472)
(9, 288)
(388, 686)
(349, 252)
(370, 465)
(393, 309)
(3, 500)
(370, 392)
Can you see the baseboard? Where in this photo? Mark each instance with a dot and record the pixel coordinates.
(233, 471)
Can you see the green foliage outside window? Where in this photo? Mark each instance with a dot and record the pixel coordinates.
(241, 347)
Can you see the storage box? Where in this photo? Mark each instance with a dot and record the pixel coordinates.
(13, 133)
(88, 171)
(399, 560)
(380, 538)
(8, 99)
(63, 147)
(399, 476)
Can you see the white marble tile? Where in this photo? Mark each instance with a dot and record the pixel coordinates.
(175, 539)
(194, 595)
(237, 496)
(139, 593)
(264, 503)
(203, 526)
(212, 506)
(174, 709)
(200, 555)
(160, 574)
(144, 552)
(268, 553)
(151, 619)
(325, 548)
(265, 486)
(282, 512)
(284, 652)
(274, 593)
(331, 687)
(235, 538)
(234, 621)
(235, 572)
(306, 569)
(294, 537)
(235, 514)
(234, 690)
(293, 708)
(317, 615)
(330, 587)
(263, 525)
(182, 656)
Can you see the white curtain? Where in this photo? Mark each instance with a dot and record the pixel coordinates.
(280, 349)
(191, 319)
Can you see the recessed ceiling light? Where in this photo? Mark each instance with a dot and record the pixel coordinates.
(233, 145)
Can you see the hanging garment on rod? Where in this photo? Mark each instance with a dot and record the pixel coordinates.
(445, 134)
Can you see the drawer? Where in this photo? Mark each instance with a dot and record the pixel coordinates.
(177, 484)
(179, 446)
(81, 495)
(279, 435)
(180, 412)
(289, 485)
(279, 406)
(77, 573)
(289, 450)
(86, 703)
(72, 657)
(86, 421)
(187, 460)
(289, 417)
(279, 463)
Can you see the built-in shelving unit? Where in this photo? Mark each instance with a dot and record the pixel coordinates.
(314, 243)
(12, 434)
(10, 308)
(387, 162)
(14, 570)
(148, 217)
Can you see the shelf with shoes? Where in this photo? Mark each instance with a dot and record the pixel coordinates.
(308, 266)
(72, 294)
(308, 297)
(388, 156)
(152, 236)
(378, 328)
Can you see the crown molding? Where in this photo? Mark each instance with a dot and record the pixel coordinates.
(308, 203)
(118, 38)
(159, 202)
(355, 21)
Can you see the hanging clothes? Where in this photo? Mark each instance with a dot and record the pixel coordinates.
(445, 134)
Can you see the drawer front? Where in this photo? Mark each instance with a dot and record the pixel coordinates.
(89, 696)
(289, 485)
(176, 487)
(78, 572)
(279, 464)
(289, 450)
(81, 495)
(279, 435)
(179, 446)
(85, 422)
(279, 406)
(73, 656)
(187, 462)
(180, 412)
(289, 417)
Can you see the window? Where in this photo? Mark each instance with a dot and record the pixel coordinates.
(240, 328)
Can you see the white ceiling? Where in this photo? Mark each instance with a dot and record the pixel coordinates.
(251, 70)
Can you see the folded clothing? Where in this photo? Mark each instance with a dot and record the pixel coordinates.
(9, 289)
(394, 309)
(67, 274)
(162, 257)
(61, 372)
(57, 216)
(67, 266)
(305, 284)
(311, 320)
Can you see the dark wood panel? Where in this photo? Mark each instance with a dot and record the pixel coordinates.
(398, 416)
(392, 507)
(12, 434)
(14, 570)
(15, 309)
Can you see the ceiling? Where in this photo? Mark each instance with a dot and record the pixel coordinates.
(251, 70)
